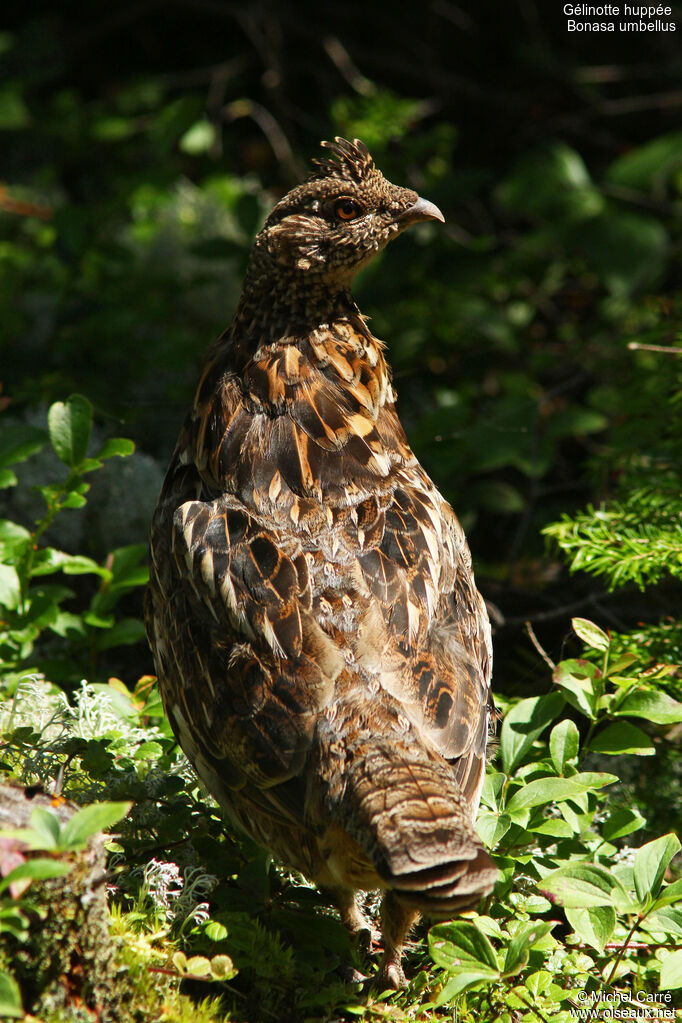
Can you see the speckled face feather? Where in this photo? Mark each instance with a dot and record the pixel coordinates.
(322, 650)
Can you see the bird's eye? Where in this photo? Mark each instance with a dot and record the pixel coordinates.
(347, 209)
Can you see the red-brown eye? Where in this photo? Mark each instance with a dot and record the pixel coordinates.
(347, 209)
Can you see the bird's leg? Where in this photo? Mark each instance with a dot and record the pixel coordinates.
(396, 921)
(351, 915)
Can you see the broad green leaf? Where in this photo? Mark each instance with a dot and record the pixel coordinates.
(583, 885)
(621, 823)
(555, 827)
(650, 704)
(552, 183)
(10, 997)
(120, 446)
(69, 424)
(35, 870)
(460, 945)
(650, 865)
(622, 737)
(523, 724)
(671, 972)
(491, 827)
(90, 820)
(590, 634)
(215, 930)
(550, 790)
(564, 742)
(222, 967)
(46, 825)
(594, 925)
(525, 937)
(576, 680)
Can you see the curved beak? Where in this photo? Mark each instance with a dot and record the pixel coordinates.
(421, 210)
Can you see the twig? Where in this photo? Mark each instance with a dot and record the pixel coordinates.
(557, 612)
(635, 346)
(342, 61)
(538, 646)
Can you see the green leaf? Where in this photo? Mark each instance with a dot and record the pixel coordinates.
(590, 634)
(564, 743)
(69, 424)
(90, 820)
(17, 443)
(523, 724)
(576, 680)
(120, 446)
(622, 737)
(671, 972)
(125, 631)
(583, 885)
(550, 183)
(14, 540)
(461, 946)
(47, 827)
(549, 790)
(650, 704)
(594, 924)
(525, 937)
(464, 980)
(491, 827)
(10, 587)
(670, 894)
(215, 930)
(621, 823)
(650, 865)
(10, 997)
(666, 919)
(649, 166)
(35, 870)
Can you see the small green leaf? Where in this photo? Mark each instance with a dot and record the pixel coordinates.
(69, 424)
(120, 446)
(465, 979)
(670, 894)
(564, 742)
(34, 870)
(525, 937)
(576, 680)
(198, 966)
(523, 724)
(590, 634)
(491, 827)
(215, 930)
(10, 587)
(650, 704)
(650, 865)
(222, 967)
(594, 924)
(622, 737)
(90, 820)
(671, 972)
(10, 997)
(17, 443)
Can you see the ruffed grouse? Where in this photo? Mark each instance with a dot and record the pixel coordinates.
(322, 651)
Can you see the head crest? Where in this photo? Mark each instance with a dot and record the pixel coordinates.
(350, 160)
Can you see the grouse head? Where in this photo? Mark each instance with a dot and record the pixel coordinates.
(325, 230)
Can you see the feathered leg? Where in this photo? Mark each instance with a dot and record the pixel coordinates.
(396, 921)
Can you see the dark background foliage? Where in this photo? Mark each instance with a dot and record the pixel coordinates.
(142, 145)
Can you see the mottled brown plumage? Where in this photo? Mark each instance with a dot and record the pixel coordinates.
(322, 651)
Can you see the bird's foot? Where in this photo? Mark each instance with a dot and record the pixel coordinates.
(391, 975)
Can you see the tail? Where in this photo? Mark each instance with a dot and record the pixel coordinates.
(408, 813)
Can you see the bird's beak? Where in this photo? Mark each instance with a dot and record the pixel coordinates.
(421, 210)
